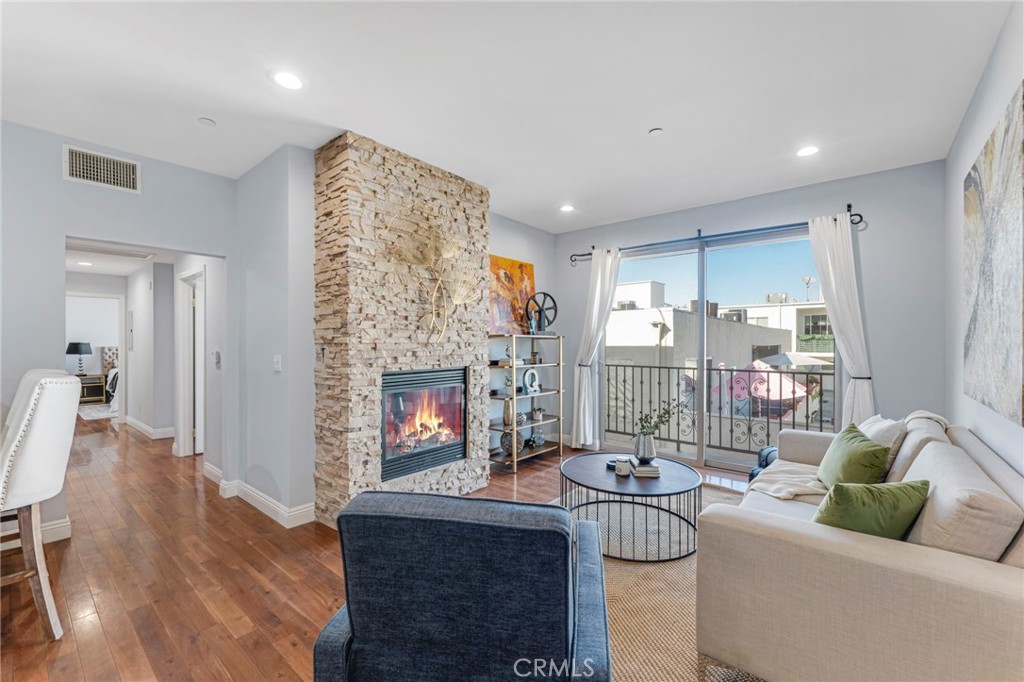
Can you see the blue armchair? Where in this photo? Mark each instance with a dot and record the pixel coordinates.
(451, 588)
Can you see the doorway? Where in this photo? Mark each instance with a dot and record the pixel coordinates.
(193, 399)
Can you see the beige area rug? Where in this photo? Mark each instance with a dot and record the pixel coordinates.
(652, 612)
(94, 412)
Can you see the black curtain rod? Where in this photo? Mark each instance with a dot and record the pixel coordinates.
(855, 219)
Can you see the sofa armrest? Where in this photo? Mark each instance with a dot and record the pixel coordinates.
(805, 447)
(592, 648)
(330, 652)
(788, 599)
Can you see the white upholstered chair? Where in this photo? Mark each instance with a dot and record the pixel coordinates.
(25, 388)
(33, 462)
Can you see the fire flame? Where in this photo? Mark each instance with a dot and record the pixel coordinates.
(428, 419)
(424, 429)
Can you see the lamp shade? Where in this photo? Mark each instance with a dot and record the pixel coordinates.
(78, 348)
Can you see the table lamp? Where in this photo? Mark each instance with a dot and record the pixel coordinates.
(79, 348)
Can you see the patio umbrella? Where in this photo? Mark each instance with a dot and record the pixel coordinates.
(793, 359)
(761, 381)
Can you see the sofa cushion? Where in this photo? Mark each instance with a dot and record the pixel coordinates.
(920, 432)
(853, 458)
(888, 432)
(966, 512)
(802, 508)
(1005, 476)
(883, 509)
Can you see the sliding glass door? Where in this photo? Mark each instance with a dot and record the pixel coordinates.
(736, 334)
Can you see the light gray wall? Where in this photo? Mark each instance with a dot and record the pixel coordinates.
(1001, 78)
(301, 353)
(163, 346)
(139, 371)
(87, 283)
(275, 231)
(178, 208)
(902, 285)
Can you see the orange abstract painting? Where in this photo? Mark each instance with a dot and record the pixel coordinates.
(511, 284)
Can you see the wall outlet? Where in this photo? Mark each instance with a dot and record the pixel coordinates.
(277, 364)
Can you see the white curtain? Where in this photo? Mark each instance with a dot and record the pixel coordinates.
(832, 243)
(604, 273)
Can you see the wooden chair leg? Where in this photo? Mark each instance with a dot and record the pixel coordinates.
(30, 528)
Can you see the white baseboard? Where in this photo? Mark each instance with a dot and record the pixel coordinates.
(211, 472)
(289, 517)
(229, 488)
(52, 531)
(148, 431)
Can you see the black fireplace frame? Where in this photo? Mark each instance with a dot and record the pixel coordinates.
(418, 380)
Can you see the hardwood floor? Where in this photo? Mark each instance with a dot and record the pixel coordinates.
(164, 579)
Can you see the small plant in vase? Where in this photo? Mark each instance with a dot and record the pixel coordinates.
(650, 423)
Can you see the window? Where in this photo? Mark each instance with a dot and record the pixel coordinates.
(817, 324)
(758, 352)
(759, 321)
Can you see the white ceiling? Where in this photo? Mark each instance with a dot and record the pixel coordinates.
(545, 104)
(110, 259)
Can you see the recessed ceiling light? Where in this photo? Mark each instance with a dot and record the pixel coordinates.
(809, 150)
(85, 263)
(208, 122)
(567, 208)
(654, 132)
(286, 79)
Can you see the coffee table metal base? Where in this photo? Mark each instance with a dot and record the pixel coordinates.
(638, 528)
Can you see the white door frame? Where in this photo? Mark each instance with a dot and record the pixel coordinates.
(185, 286)
(122, 347)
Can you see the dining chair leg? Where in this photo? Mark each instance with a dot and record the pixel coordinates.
(30, 528)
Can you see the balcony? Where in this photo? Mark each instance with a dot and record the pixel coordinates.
(816, 343)
(745, 408)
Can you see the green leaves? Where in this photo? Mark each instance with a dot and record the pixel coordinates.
(651, 422)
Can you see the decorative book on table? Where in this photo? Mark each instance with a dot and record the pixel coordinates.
(639, 470)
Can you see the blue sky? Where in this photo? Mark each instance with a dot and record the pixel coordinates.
(736, 275)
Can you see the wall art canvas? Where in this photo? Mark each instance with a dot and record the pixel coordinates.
(511, 284)
(993, 276)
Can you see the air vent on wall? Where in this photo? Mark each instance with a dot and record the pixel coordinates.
(99, 169)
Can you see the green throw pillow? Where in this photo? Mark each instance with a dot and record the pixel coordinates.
(853, 458)
(883, 509)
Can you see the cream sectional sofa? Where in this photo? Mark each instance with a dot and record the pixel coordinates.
(783, 598)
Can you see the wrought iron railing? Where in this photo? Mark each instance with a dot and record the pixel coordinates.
(744, 408)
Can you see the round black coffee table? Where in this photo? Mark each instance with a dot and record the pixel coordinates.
(641, 519)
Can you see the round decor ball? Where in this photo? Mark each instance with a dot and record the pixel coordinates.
(506, 442)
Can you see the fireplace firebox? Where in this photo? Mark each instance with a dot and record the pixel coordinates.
(424, 420)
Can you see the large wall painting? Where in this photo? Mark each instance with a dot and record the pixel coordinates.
(993, 270)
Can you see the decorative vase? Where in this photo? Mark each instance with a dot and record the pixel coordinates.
(508, 413)
(644, 448)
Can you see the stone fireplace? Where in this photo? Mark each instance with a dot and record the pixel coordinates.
(369, 330)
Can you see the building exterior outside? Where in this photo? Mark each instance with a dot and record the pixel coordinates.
(650, 355)
(807, 322)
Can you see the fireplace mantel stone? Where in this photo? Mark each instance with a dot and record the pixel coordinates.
(368, 319)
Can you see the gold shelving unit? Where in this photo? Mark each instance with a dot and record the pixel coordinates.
(538, 345)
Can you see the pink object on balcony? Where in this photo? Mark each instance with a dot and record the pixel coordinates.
(761, 381)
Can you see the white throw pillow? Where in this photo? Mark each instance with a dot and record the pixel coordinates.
(887, 432)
